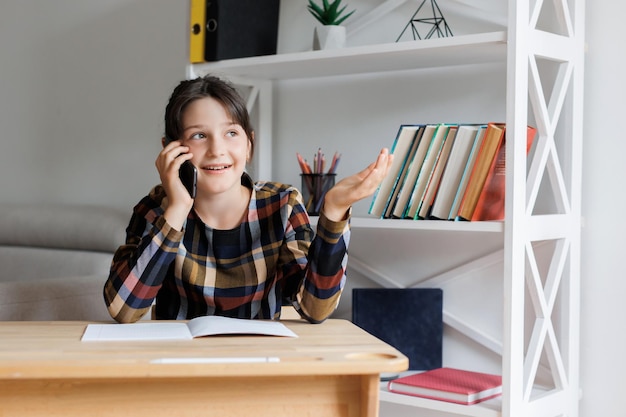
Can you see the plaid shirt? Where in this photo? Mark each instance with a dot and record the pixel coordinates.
(273, 258)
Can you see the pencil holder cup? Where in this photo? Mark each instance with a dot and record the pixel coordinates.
(314, 188)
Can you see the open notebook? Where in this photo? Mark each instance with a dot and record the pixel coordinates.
(198, 327)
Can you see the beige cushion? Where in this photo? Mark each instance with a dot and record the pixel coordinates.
(27, 264)
(87, 228)
(54, 260)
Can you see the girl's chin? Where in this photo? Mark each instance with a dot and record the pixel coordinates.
(217, 184)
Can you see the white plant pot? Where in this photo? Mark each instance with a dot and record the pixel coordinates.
(329, 37)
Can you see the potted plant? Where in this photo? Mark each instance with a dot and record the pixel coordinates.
(331, 15)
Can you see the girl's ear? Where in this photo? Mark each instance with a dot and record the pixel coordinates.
(249, 151)
(250, 142)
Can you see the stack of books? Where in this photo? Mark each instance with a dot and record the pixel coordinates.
(458, 386)
(446, 172)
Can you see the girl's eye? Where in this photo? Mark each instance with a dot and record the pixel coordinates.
(231, 133)
(198, 135)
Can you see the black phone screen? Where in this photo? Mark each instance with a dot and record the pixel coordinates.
(189, 177)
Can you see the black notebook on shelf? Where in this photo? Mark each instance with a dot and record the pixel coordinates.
(409, 319)
(240, 28)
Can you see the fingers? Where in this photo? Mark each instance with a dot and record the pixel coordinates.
(172, 157)
(358, 186)
(383, 162)
(376, 171)
(168, 164)
(365, 183)
(173, 150)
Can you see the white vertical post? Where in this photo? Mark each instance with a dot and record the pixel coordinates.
(558, 156)
(573, 312)
(263, 158)
(516, 222)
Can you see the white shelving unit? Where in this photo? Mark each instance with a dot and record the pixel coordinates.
(258, 73)
(543, 50)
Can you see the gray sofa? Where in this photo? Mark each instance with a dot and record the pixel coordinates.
(54, 260)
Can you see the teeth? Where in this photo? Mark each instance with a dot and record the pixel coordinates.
(217, 168)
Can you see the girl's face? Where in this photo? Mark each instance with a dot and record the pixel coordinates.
(220, 147)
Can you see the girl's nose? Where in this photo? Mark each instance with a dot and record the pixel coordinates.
(214, 147)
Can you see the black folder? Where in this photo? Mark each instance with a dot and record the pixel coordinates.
(409, 319)
(240, 28)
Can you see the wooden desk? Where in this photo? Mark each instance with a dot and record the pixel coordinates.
(331, 369)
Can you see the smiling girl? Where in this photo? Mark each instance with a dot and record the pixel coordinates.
(239, 248)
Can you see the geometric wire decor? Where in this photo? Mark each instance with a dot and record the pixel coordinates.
(429, 25)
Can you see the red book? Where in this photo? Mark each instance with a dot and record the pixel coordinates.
(494, 136)
(490, 205)
(449, 384)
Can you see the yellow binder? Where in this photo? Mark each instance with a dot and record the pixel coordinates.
(197, 30)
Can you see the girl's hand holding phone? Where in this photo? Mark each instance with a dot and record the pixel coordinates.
(168, 164)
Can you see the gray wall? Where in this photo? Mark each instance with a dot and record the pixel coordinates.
(83, 86)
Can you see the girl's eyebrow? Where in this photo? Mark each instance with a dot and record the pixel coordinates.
(201, 126)
(193, 127)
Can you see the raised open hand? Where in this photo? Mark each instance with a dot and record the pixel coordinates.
(356, 187)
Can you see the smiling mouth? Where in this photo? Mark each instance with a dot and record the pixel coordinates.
(216, 168)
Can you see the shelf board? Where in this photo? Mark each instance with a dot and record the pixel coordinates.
(489, 408)
(435, 225)
(427, 53)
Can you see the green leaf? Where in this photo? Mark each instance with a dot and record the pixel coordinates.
(329, 13)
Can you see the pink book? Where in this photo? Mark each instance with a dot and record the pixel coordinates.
(490, 205)
(449, 384)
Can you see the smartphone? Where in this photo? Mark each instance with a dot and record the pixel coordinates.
(188, 174)
(189, 177)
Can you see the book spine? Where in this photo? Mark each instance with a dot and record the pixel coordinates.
(490, 205)
(453, 171)
(456, 204)
(427, 169)
(197, 28)
(484, 160)
(382, 196)
(376, 205)
(424, 137)
(440, 163)
(403, 181)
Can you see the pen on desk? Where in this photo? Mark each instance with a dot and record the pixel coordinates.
(255, 359)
